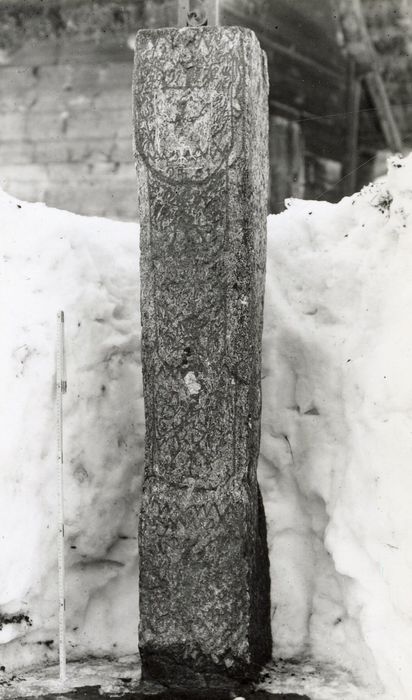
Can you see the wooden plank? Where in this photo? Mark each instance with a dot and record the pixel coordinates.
(322, 177)
(324, 137)
(403, 116)
(360, 47)
(350, 159)
(366, 168)
(271, 39)
(302, 86)
(286, 150)
(370, 132)
(286, 111)
(377, 91)
(357, 40)
(306, 27)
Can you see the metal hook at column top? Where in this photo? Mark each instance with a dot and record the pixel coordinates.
(199, 14)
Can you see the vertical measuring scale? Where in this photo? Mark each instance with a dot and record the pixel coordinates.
(61, 388)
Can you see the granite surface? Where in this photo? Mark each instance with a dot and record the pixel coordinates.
(201, 148)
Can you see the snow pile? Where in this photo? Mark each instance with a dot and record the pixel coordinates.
(53, 260)
(336, 433)
(337, 429)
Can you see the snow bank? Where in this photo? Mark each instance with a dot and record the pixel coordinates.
(53, 260)
(337, 429)
(336, 433)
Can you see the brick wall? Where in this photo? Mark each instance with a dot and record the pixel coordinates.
(66, 134)
(65, 108)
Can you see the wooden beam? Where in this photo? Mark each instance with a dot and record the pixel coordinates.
(269, 41)
(286, 157)
(305, 26)
(359, 47)
(350, 159)
(358, 43)
(379, 96)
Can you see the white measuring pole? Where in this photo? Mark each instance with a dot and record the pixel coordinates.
(215, 12)
(183, 9)
(61, 388)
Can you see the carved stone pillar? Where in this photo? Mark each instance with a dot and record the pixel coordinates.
(201, 142)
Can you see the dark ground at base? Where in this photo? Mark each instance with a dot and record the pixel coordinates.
(92, 693)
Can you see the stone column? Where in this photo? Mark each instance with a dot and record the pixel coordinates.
(201, 147)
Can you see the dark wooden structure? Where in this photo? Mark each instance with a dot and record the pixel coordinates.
(330, 111)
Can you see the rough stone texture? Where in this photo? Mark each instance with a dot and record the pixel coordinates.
(201, 143)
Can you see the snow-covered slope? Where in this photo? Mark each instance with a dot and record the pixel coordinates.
(336, 432)
(337, 429)
(52, 260)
